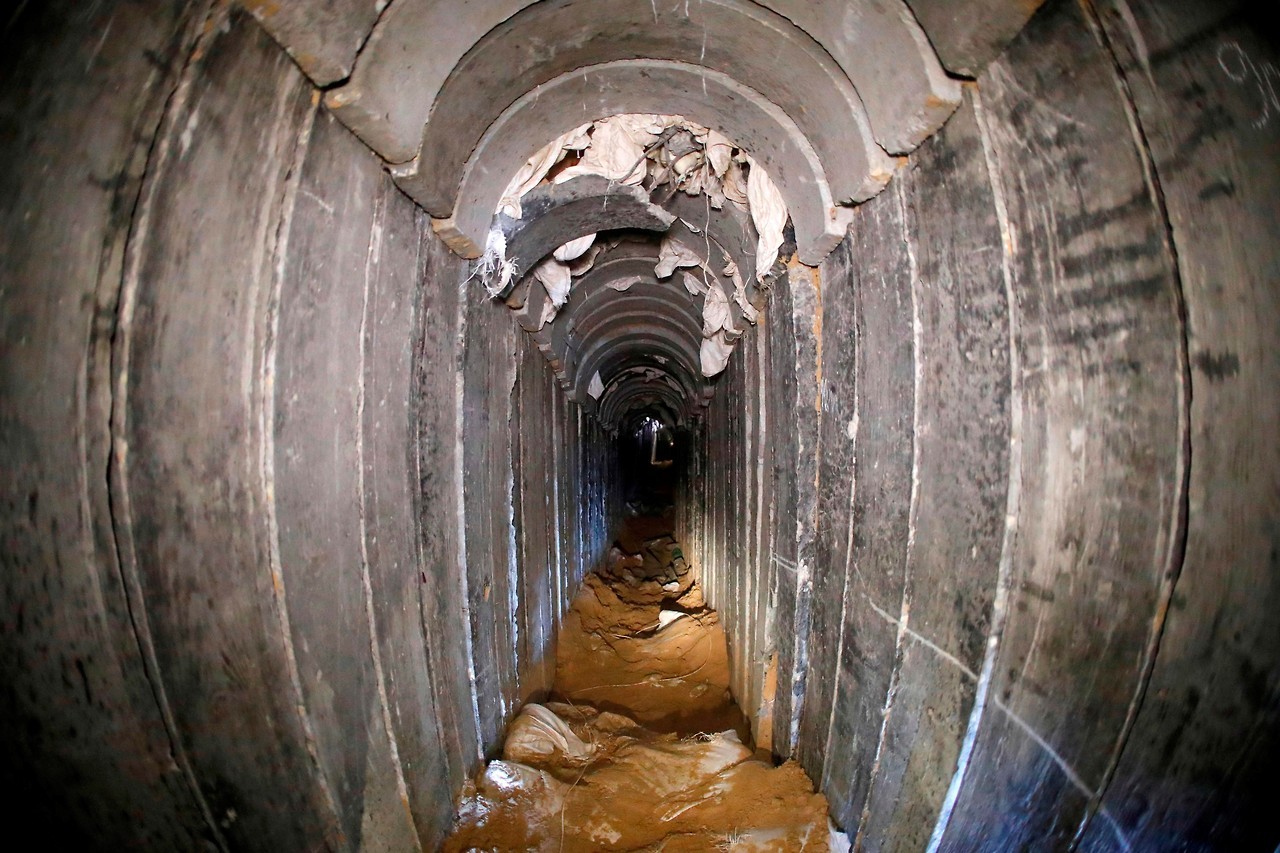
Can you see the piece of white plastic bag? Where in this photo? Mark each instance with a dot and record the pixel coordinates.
(693, 282)
(714, 354)
(623, 284)
(673, 254)
(555, 277)
(716, 313)
(574, 249)
(769, 214)
(616, 152)
(537, 166)
(537, 736)
(749, 311)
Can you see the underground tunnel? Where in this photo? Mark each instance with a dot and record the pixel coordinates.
(341, 337)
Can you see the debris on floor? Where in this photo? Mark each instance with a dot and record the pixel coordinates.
(640, 640)
(647, 749)
(578, 779)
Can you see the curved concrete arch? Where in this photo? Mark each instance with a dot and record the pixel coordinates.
(593, 307)
(534, 297)
(587, 319)
(404, 65)
(628, 419)
(612, 320)
(641, 339)
(689, 234)
(612, 407)
(643, 373)
(577, 358)
(602, 298)
(596, 283)
(679, 401)
(675, 340)
(906, 99)
(595, 295)
(655, 408)
(550, 337)
(623, 261)
(736, 38)
(555, 214)
(633, 376)
(622, 392)
(647, 86)
(617, 264)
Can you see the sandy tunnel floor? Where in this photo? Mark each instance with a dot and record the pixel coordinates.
(644, 748)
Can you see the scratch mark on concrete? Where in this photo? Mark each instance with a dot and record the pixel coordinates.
(1022, 724)
(267, 453)
(913, 512)
(324, 204)
(460, 508)
(97, 49)
(849, 569)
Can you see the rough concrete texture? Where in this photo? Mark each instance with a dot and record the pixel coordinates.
(322, 36)
(907, 99)
(992, 662)
(967, 35)
(279, 410)
(84, 718)
(292, 509)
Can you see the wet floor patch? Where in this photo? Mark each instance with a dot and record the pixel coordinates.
(644, 747)
(641, 640)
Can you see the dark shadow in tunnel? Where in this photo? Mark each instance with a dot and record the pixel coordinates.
(651, 456)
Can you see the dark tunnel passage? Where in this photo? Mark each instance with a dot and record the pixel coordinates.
(651, 461)
(339, 337)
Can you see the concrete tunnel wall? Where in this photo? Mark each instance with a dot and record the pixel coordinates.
(979, 484)
(290, 510)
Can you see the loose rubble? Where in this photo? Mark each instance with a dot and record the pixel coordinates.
(642, 747)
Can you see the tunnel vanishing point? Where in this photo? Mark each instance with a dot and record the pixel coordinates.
(988, 496)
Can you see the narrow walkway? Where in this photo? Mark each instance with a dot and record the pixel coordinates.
(644, 748)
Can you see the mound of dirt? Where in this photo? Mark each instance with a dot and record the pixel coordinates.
(647, 749)
(640, 640)
(639, 790)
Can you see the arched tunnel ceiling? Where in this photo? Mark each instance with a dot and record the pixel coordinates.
(560, 213)
(437, 89)
(735, 38)
(326, 37)
(619, 308)
(652, 86)
(820, 95)
(602, 330)
(905, 103)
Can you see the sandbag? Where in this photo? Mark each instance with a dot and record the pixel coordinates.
(538, 737)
